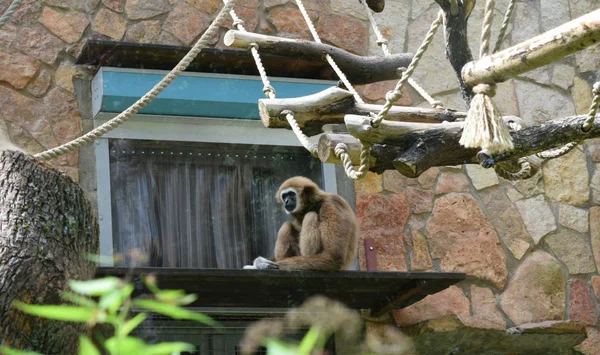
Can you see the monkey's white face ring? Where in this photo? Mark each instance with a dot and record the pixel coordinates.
(291, 201)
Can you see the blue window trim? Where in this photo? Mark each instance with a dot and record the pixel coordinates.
(192, 94)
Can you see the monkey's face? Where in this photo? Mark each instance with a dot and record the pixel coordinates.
(289, 199)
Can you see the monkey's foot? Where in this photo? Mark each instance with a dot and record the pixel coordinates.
(261, 263)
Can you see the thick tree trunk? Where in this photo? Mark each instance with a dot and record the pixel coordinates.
(47, 227)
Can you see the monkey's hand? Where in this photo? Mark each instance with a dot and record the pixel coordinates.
(261, 263)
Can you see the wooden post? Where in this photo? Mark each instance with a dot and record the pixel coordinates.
(540, 50)
(47, 228)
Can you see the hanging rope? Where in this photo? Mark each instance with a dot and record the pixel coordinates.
(267, 87)
(394, 95)
(341, 151)
(383, 43)
(589, 122)
(484, 127)
(303, 138)
(507, 16)
(338, 71)
(148, 97)
(10, 11)
(524, 171)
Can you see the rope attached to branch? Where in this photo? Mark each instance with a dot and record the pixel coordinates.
(484, 127)
(10, 11)
(148, 97)
(267, 87)
(329, 59)
(507, 16)
(303, 138)
(341, 151)
(383, 43)
(589, 122)
(394, 95)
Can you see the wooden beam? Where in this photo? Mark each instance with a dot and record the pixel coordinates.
(331, 105)
(392, 131)
(358, 69)
(540, 50)
(413, 153)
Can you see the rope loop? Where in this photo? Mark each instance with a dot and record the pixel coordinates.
(238, 22)
(486, 89)
(341, 152)
(437, 104)
(589, 122)
(253, 45)
(381, 42)
(269, 90)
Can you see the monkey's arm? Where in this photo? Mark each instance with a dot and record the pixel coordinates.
(287, 242)
(310, 236)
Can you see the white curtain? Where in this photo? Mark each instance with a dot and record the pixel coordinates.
(199, 205)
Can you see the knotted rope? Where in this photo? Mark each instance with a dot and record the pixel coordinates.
(589, 122)
(148, 97)
(484, 127)
(341, 151)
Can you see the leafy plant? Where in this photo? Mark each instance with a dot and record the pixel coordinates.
(109, 301)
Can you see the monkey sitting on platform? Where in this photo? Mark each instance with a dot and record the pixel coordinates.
(323, 235)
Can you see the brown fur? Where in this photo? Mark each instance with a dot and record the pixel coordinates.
(324, 234)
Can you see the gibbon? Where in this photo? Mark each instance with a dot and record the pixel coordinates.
(323, 235)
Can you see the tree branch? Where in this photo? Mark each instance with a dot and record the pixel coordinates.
(331, 105)
(416, 151)
(358, 69)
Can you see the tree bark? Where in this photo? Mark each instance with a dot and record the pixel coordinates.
(416, 151)
(358, 69)
(47, 228)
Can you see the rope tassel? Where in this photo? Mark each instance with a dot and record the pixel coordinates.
(484, 127)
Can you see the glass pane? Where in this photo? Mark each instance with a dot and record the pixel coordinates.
(199, 205)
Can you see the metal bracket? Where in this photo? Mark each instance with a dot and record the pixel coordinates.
(370, 254)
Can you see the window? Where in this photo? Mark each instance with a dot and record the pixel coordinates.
(200, 205)
(194, 192)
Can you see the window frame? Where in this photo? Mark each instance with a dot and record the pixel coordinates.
(187, 129)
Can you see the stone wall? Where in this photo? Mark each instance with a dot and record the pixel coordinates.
(531, 248)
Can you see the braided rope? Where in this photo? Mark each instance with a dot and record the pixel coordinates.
(394, 95)
(332, 63)
(507, 16)
(486, 30)
(341, 151)
(303, 138)
(523, 173)
(148, 97)
(557, 152)
(589, 122)
(267, 87)
(383, 43)
(10, 11)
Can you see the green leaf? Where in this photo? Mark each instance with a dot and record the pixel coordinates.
(97, 287)
(86, 347)
(8, 351)
(132, 324)
(113, 300)
(125, 345)
(309, 341)
(64, 313)
(168, 348)
(175, 312)
(169, 295)
(277, 347)
(78, 299)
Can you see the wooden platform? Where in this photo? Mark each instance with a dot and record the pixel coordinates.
(378, 291)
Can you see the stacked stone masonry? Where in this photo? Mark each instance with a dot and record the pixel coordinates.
(531, 248)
